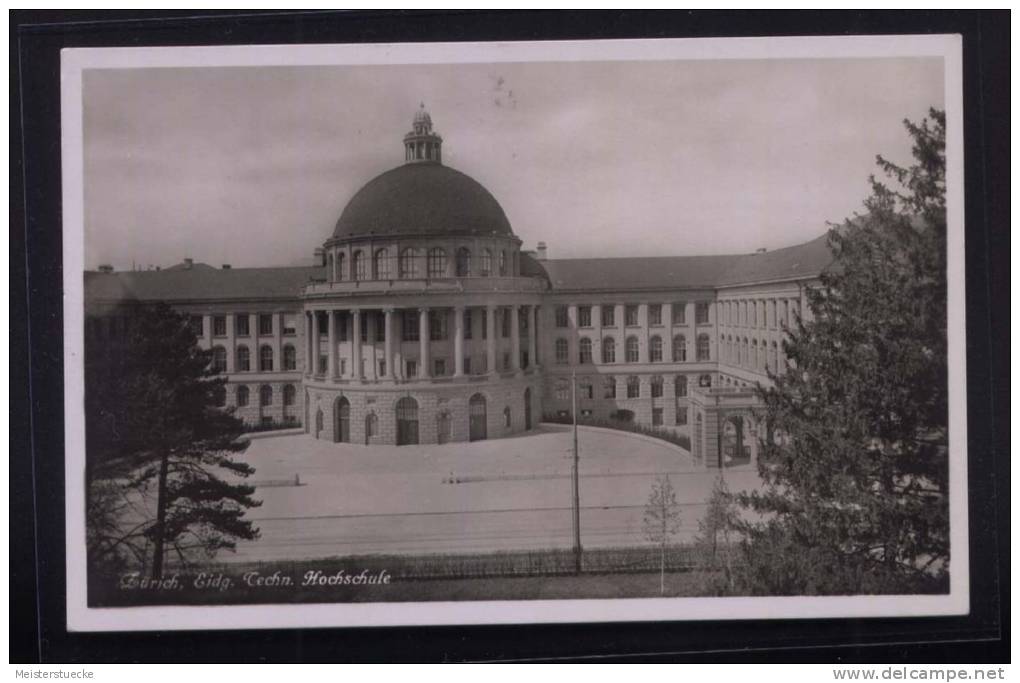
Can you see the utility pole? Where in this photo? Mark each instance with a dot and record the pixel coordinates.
(575, 479)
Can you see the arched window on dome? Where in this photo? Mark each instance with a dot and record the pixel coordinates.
(608, 350)
(655, 349)
(632, 349)
(485, 267)
(409, 263)
(437, 262)
(358, 265)
(463, 262)
(341, 265)
(381, 264)
(502, 263)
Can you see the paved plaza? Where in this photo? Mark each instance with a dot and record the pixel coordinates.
(501, 494)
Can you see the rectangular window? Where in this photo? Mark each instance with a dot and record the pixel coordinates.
(342, 368)
(561, 317)
(608, 316)
(438, 330)
(506, 361)
(219, 326)
(657, 389)
(467, 365)
(382, 368)
(409, 325)
(290, 323)
(380, 327)
(364, 328)
(679, 313)
(265, 323)
(584, 316)
(630, 315)
(609, 388)
(562, 352)
(656, 417)
(197, 325)
(241, 325)
(654, 314)
(681, 415)
(701, 313)
(485, 324)
(633, 388)
(467, 324)
(505, 321)
(439, 367)
(412, 368)
(343, 319)
(703, 348)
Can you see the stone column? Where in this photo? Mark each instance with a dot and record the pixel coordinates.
(515, 338)
(316, 333)
(231, 344)
(388, 332)
(356, 372)
(458, 341)
(532, 336)
(424, 372)
(490, 338)
(331, 361)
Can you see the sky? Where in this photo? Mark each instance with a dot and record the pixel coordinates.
(252, 166)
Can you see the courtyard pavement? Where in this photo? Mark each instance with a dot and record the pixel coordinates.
(502, 494)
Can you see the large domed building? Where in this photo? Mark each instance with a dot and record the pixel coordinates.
(424, 321)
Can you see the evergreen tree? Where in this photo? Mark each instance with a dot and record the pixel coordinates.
(661, 520)
(715, 539)
(158, 443)
(855, 463)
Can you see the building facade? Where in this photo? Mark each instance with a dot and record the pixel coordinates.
(423, 320)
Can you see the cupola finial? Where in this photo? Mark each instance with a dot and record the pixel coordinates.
(422, 145)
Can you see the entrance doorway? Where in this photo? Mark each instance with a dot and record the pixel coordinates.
(342, 420)
(477, 418)
(407, 421)
(527, 409)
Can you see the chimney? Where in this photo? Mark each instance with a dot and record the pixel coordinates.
(320, 256)
(105, 268)
(760, 250)
(226, 266)
(540, 251)
(188, 263)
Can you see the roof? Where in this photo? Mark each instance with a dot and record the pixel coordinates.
(201, 282)
(688, 272)
(422, 199)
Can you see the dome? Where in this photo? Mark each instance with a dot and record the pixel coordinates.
(422, 199)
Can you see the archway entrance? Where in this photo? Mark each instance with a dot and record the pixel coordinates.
(342, 420)
(527, 408)
(477, 418)
(443, 427)
(735, 450)
(407, 421)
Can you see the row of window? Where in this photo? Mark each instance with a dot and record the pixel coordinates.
(242, 326)
(438, 322)
(770, 314)
(440, 366)
(409, 264)
(760, 356)
(630, 314)
(242, 358)
(586, 387)
(265, 396)
(703, 350)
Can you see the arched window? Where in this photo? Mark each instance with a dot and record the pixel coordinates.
(437, 262)
(507, 417)
(289, 394)
(656, 386)
(382, 264)
(655, 349)
(371, 425)
(754, 354)
(609, 350)
(680, 386)
(633, 387)
(609, 387)
(679, 349)
(266, 358)
(584, 351)
(703, 349)
(485, 267)
(502, 262)
(341, 266)
(562, 352)
(463, 262)
(632, 349)
(762, 355)
(409, 263)
(265, 395)
(289, 358)
(243, 359)
(772, 358)
(242, 396)
(358, 265)
(329, 266)
(219, 359)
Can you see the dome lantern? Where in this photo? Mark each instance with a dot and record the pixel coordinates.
(422, 145)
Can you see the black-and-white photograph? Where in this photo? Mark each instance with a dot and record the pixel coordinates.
(514, 333)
